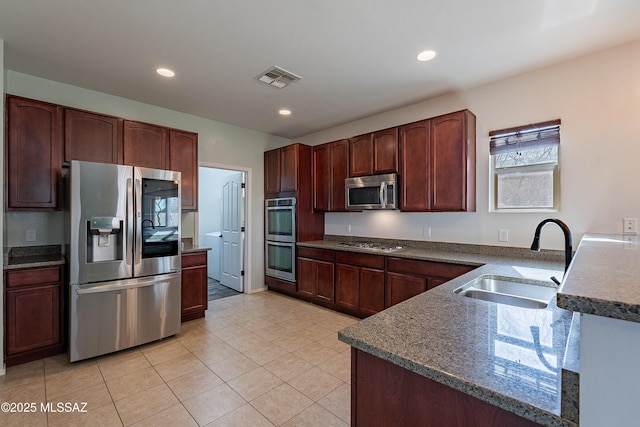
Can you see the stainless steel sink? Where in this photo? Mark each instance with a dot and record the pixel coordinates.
(508, 290)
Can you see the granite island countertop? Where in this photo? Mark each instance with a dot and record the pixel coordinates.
(510, 357)
(603, 277)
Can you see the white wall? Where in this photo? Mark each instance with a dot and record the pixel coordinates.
(217, 143)
(597, 97)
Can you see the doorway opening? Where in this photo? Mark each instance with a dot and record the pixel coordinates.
(222, 227)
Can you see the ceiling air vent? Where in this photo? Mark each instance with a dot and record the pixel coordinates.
(278, 77)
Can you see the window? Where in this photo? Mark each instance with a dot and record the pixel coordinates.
(525, 167)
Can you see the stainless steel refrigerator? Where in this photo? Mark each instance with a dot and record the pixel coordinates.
(124, 257)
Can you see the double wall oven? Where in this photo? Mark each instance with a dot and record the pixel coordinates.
(280, 238)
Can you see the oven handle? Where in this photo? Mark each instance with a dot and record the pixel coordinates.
(271, 242)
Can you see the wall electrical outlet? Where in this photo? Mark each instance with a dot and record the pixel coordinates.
(503, 235)
(426, 231)
(630, 225)
(30, 235)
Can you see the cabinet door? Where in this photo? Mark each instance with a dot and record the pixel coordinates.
(183, 157)
(33, 318)
(401, 287)
(289, 168)
(321, 177)
(371, 293)
(145, 145)
(34, 151)
(415, 167)
(361, 155)
(385, 151)
(449, 166)
(347, 286)
(339, 151)
(92, 137)
(325, 281)
(307, 277)
(194, 290)
(272, 171)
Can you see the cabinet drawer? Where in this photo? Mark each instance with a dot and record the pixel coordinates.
(195, 259)
(363, 260)
(35, 276)
(426, 268)
(315, 253)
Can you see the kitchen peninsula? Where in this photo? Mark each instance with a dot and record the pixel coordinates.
(440, 356)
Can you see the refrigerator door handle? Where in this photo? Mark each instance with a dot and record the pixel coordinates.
(137, 219)
(129, 222)
(115, 287)
(124, 285)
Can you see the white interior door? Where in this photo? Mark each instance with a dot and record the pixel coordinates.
(231, 253)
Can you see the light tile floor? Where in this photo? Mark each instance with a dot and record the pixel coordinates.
(254, 360)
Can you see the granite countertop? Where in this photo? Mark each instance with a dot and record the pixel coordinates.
(484, 349)
(603, 277)
(458, 253)
(32, 256)
(194, 248)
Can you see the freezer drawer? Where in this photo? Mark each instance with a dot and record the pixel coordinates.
(112, 316)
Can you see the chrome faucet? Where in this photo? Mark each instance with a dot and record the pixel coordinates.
(568, 250)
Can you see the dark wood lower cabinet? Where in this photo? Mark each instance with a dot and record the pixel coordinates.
(401, 287)
(316, 280)
(347, 286)
(360, 283)
(194, 285)
(407, 278)
(384, 394)
(34, 322)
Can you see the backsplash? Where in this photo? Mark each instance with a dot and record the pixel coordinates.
(42, 228)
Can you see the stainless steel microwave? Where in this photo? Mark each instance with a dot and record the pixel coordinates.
(372, 192)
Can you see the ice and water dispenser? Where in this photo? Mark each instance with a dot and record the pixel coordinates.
(105, 239)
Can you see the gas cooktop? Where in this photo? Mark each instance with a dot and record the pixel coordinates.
(373, 246)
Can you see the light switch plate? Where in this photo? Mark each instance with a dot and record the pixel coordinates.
(30, 235)
(503, 235)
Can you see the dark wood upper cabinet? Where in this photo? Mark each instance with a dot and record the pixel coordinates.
(374, 153)
(282, 172)
(415, 166)
(183, 157)
(385, 151)
(145, 145)
(272, 171)
(437, 164)
(92, 137)
(330, 169)
(361, 155)
(289, 168)
(34, 154)
(453, 153)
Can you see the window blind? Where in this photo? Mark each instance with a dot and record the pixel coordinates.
(525, 137)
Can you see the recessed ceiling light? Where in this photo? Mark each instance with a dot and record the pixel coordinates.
(426, 55)
(165, 72)
(284, 112)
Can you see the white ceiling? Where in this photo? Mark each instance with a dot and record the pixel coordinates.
(356, 57)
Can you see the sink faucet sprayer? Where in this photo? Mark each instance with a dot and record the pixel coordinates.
(568, 250)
